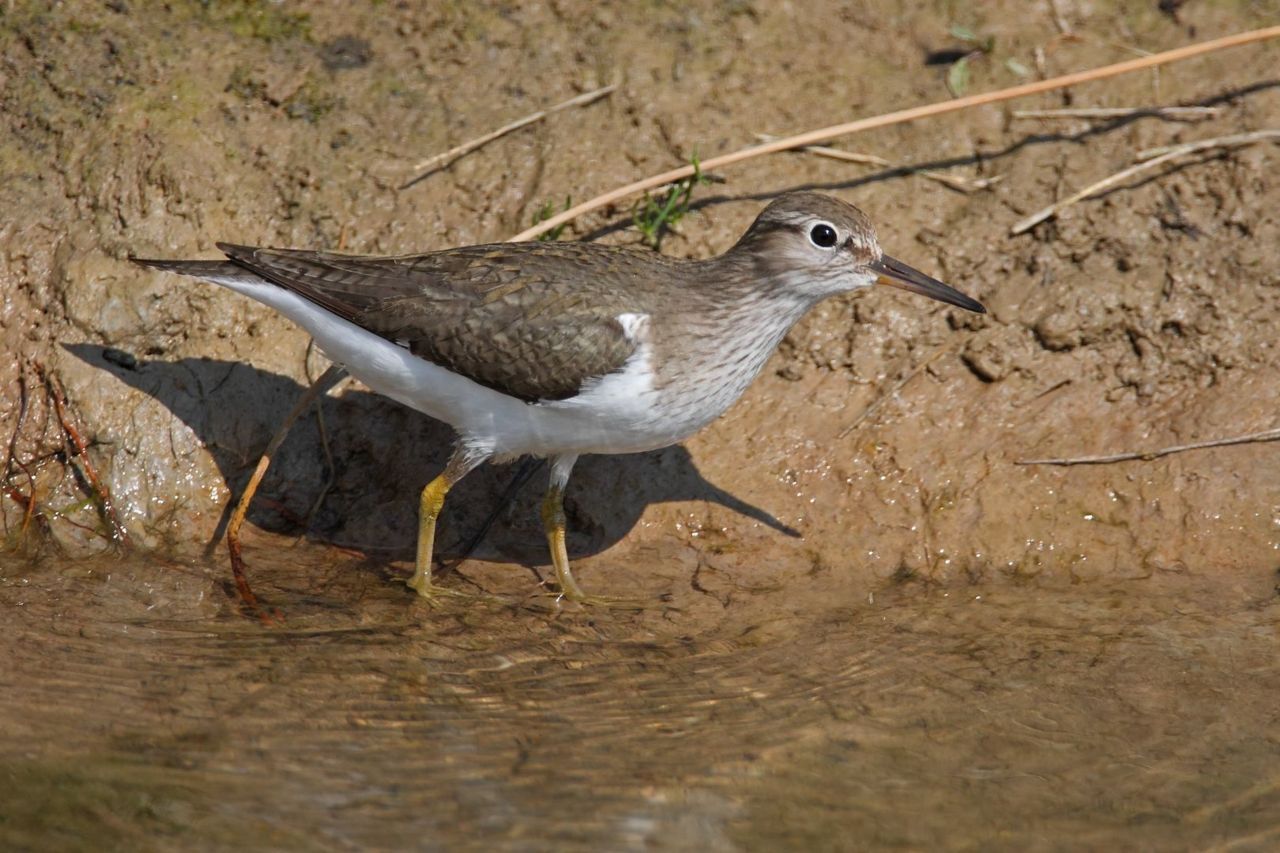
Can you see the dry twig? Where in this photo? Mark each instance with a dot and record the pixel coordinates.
(429, 165)
(1156, 156)
(1148, 455)
(330, 471)
(80, 450)
(953, 181)
(27, 502)
(1175, 113)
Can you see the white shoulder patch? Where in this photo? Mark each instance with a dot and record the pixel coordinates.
(634, 326)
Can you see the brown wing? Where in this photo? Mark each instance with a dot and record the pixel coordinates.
(502, 315)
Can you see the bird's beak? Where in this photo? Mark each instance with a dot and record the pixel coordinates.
(895, 273)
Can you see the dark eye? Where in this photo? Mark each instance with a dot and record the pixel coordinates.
(823, 235)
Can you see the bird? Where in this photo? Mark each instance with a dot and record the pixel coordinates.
(560, 349)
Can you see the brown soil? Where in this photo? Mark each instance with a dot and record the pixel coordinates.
(885, 432)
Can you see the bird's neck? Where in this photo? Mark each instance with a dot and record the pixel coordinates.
(739, 320)
(752, 292)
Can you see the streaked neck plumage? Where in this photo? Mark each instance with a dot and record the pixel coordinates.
(738, 313)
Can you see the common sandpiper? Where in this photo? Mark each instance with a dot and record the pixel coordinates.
(560, 349)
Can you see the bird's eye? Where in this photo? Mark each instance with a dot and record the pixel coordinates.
(823, 235)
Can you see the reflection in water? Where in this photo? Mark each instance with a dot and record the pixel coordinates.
(136, 707)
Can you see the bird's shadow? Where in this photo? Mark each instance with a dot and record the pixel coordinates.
(351, 475)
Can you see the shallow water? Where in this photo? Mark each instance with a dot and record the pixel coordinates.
(141, 711)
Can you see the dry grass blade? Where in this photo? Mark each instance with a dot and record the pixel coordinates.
(1176, 113)
(429, 165)
(1232, 141)
(815, 137)
(1059, 20)
(953, 181)
(1148, 455)
(1157, 156)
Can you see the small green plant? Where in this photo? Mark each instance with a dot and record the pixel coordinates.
(654, 217)
(958, 73)
(259, 19)
(547, 211)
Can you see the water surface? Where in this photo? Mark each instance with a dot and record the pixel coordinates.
(141, 711)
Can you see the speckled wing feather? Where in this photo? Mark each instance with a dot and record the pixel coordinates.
(502, 315)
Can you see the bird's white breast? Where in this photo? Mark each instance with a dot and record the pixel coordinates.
(619, 412)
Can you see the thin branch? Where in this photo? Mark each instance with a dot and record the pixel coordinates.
(1148, 455)
(80, 450)
(330, 471)
(1176, 113)
(528, 467)
(953, 181)
(431, 164)
(11, 456)
(826, 134)
(11, 459)
(1234, 140)
(1169, 153)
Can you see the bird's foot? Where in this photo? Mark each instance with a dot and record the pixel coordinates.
(434, 594)
(586, 600)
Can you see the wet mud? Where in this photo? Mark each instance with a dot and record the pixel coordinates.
(860, 623)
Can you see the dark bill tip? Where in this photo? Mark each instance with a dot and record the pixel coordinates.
(895, 273)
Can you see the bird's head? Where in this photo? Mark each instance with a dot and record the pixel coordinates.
(813, 246)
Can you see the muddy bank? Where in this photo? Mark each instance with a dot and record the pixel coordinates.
(885, 431)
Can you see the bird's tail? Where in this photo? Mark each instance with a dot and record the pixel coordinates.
(222, 272)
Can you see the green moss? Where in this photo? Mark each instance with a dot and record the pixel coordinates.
(81, 26)
(259, 19)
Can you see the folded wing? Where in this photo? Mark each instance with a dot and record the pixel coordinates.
(501, 315)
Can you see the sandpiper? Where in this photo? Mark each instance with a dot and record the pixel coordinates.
(561, 349)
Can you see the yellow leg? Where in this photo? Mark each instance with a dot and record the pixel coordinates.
(554, 521)
(430, 502)
(429, 505)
